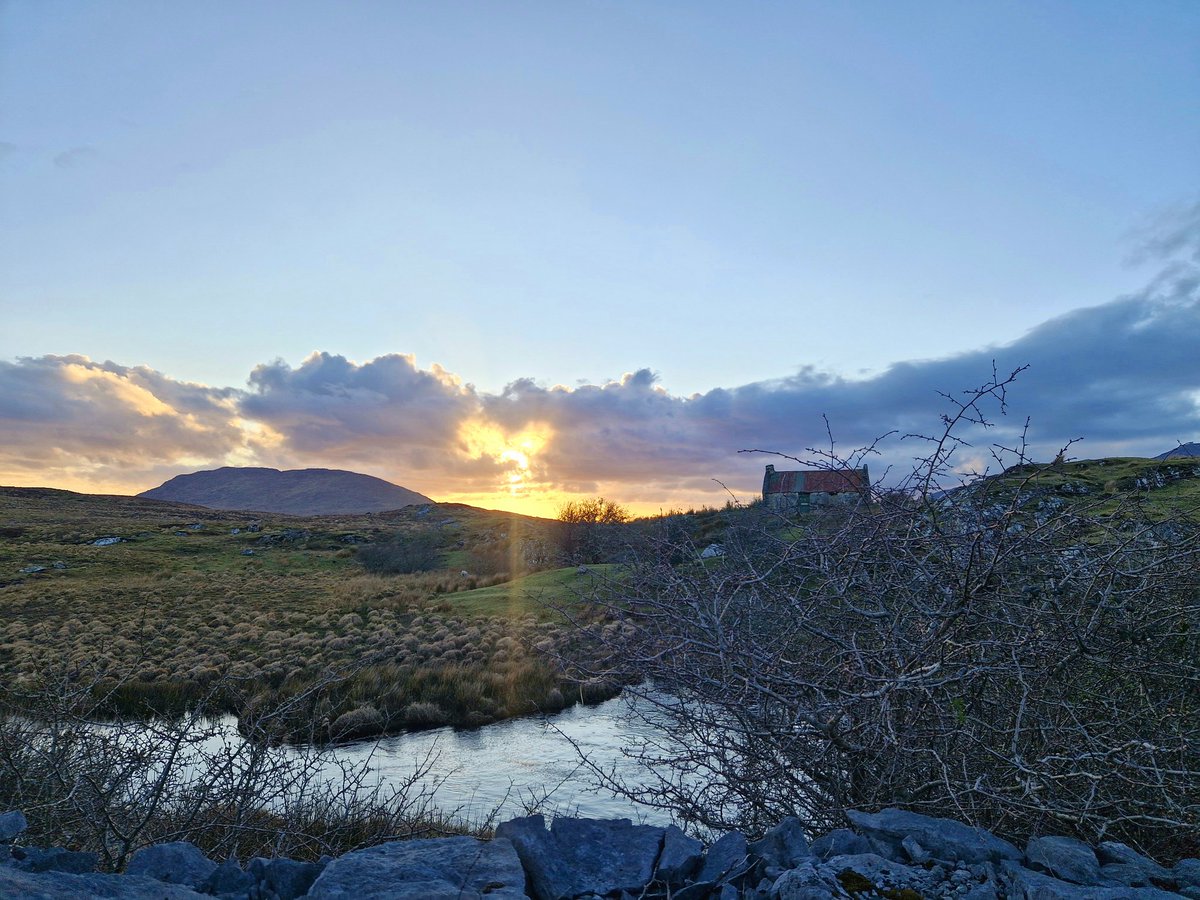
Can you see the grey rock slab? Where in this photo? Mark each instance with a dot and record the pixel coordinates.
(784, 845)
(580, 856)
(725, 859)
(1063, 857)
(1025, 884)
(984, 891)
(12, 823)
(65, 886)
(455, 868)
(679, 857)
(1187, 871)
(57, 859)
(945, 839)
(1114, 852)
(177, 862)
(839, 842)
(874, 867)
(287, 878)
(1123, 873)
(227, 878)
(802, 883)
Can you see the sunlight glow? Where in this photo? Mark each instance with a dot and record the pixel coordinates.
(512, 452)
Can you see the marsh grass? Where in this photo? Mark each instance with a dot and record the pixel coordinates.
(174, 614)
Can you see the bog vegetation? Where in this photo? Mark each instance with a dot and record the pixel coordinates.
(1022, 650)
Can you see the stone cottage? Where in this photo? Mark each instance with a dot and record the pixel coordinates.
(801, 490)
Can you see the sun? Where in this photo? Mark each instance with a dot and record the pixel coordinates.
(515, 452)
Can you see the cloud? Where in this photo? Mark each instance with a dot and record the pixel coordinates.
(71, 420)
(1121, 375)
(75, 157)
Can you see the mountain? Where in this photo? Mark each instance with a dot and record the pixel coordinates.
(1190, 449)
(298, 492)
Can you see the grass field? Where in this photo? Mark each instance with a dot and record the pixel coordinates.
(256, 610)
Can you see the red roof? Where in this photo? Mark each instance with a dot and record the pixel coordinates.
(820, 481)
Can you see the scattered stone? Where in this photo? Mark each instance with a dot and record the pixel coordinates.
(177, 862)
(106, 541)
(12, 823)
(235, 531)
(247, 552)
(1065, 858)
(32, 570)
(712, 551)
(58, 564)
(436, 869)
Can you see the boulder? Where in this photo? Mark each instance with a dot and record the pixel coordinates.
(175, 863)
(56, 859)
(873, 868)
(944, 839)
(1065, 858)
(1025, 884)
(679, 857)
(839, 842)
(1115, 853)
(804, 882)
(228, 878)
(725, 860)
(455, 868)
(12, 823)
(783, 846)
(580, 856)
(63, 886)
(288, 878)
(1187, 872)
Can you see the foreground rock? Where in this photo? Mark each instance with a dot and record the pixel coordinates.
(892, 854)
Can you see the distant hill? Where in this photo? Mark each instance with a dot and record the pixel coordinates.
(1190, 449)
(297, 492)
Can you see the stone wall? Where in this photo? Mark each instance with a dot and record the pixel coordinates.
(891, 854)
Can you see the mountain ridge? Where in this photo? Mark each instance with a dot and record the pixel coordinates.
(300, 492)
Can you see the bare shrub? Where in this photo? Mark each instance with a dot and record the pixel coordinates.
(90, 782)
(989, 652)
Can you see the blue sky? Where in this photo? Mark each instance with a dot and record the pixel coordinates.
(726, 195)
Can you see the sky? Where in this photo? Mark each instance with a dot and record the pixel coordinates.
(513, 253)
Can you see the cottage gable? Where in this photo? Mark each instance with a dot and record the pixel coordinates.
(804, 488)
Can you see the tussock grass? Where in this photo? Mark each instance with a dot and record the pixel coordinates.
(161, 617)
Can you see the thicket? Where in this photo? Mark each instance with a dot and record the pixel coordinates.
(994, 650)
(89, 782)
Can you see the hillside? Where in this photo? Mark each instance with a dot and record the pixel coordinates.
(296, 492)
(1182, 451)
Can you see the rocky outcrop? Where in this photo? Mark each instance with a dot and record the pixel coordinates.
(892, 854)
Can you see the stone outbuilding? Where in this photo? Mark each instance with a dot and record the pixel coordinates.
(807, 488)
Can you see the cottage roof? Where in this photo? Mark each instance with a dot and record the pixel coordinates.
(819, 481)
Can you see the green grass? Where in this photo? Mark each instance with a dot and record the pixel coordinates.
(539, 594)
(168, 615)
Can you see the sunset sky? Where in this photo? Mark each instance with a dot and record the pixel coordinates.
(508, 253)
